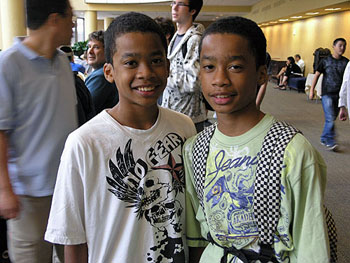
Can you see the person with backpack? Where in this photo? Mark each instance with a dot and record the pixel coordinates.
(332, 68)
(244, 206)
(183, 91)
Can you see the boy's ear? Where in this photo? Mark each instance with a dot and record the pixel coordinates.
(262, 75)
(108, 71)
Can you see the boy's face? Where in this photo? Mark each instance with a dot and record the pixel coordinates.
(140, 68)
(339, 48)
(95, 53)
(228, 74)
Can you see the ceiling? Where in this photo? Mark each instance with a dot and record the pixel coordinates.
(213, 9)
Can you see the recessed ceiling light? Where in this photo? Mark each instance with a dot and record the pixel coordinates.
(312, 13)
(332, 9)
(296, 17)
(265, 24)
(273, 22)
(283, 20)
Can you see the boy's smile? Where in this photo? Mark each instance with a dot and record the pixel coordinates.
(228, 74)
(140, 68)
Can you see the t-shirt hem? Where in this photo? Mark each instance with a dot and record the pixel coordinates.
(63, 240)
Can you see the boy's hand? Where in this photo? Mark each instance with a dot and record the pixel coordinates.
(9, 204)
(343, 114)
(311, 94)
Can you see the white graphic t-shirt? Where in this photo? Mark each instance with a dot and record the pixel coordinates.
(121, 190)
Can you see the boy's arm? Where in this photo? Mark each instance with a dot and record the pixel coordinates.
(9, 202)
(309, 232)
(314, 82)
(76, 253)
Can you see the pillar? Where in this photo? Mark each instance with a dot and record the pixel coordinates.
(90, 22)
(107, 22)
(12, 21)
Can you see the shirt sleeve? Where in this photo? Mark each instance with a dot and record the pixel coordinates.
(191, 66)
(66, 220)
(8, 71)
(307, 177)
(193, 227)
(343, 94)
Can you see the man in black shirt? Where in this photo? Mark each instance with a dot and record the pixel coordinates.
(332, 68)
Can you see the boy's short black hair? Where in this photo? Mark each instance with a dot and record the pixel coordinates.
(196, 5)
(98, 36)
(243, 27)
(129, 23)
(291, 60)
(166, 25)
(339, 39)
(38, 11)
(298, 56)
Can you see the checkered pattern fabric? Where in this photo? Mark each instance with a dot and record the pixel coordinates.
(268, 181)
(332, 235)
(200, 155)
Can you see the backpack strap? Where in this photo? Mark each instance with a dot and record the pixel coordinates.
(267, 188)
(200, 156)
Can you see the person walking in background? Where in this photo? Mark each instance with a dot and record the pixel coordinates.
(344, 95)
(104, 94)
(183, 92)
(332, 68)
(38, 111)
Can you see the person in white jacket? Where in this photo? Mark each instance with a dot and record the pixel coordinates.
(344, 94)
(183, 91)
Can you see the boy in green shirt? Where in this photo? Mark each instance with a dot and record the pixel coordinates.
(230, 76)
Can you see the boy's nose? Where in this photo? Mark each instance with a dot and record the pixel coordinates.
(145, 71)
(220, 78)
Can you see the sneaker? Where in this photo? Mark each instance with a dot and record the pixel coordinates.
(323, 142)
(332, 147)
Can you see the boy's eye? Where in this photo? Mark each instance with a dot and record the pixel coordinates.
(157, 61)
(208, 67)
(235, 68)
(131, 63)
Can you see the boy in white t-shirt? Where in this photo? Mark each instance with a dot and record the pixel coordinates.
(232, 60)
(119, 195)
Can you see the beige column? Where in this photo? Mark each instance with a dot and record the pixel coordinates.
(90, 22)
(107, 21)
(12, 21)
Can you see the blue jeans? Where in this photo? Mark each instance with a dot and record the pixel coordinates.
(331, 110)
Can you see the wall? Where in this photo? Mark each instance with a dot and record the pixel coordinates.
(266, 10)
(305, 36)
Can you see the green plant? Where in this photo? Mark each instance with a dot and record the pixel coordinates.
(79, 48)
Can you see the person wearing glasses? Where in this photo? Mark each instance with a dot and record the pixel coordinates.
(183, 92)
